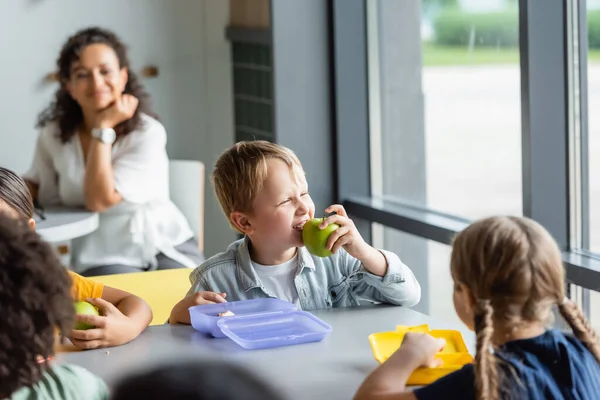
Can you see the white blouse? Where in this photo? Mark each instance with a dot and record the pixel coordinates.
(133, 231)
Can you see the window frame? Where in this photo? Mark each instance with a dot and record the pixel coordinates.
(545, 119)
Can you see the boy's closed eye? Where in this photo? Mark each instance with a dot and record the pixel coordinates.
(289, 199)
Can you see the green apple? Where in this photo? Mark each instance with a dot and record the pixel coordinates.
(315, 239)
(83, 307)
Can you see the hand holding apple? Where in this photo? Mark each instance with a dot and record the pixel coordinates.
(84, 308)
(112, 328)
(347, 236)
(341, 232)
(315, 238)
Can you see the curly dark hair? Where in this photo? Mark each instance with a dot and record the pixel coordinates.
(66, 111)
(35, 303)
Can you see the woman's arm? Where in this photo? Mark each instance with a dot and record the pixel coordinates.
(99, 184)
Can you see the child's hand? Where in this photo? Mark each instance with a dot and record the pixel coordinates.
(346, 235)
(389, 379)
(180, 313)
(112, 327)
(420, 348)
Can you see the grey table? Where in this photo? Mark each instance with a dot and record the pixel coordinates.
(63, 224)
(331, 369)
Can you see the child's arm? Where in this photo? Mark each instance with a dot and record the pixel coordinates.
(388, 381)
(347, 236)
(180, 313)
(124, 317)
(389, 280)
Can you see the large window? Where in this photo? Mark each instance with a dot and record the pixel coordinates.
(430, 262)
(588, 214)
(444, 86)
(593, 91)
(445, 120)
(471, 108)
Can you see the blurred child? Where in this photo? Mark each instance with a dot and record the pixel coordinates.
(35, 304)
(508, 275)
(124, 316)
(195, 381)
(264, 194)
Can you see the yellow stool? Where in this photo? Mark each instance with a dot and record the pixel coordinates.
(161, 289)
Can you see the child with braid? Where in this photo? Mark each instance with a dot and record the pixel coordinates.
(508, 275)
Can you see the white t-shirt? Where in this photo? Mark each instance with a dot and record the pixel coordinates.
(133, 231)
(279, 279)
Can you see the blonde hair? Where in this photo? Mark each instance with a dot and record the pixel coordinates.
(241, 170)
(513, 269)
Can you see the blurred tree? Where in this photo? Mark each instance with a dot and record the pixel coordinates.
(439, 3)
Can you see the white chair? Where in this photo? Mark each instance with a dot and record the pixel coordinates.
(186, 187)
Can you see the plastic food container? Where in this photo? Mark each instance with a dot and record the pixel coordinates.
(260, 331)
(259, 323)
(454, 355)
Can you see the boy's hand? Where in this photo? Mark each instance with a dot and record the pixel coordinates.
(112, 327)
(180, 313)
(346, 235)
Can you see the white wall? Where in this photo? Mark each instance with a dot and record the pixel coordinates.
(184, 38)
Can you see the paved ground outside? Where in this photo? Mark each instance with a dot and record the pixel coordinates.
(473, 155)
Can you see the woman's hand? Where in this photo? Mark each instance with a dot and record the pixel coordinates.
(112, 327)
(121, 110)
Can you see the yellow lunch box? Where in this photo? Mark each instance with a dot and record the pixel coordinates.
(454, 355)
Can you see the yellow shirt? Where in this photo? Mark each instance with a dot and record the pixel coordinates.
(84, 288)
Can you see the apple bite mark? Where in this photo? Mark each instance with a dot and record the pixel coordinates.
(299, 226)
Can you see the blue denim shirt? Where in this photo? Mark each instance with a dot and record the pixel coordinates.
(336, 281)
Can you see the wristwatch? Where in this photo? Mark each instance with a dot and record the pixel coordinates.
(105, 135)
